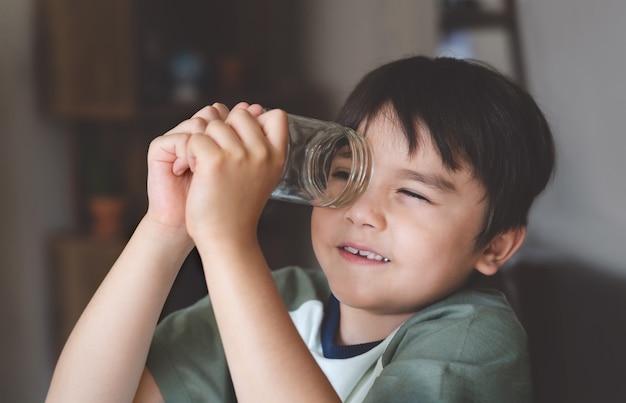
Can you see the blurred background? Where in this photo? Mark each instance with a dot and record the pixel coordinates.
(85, 86)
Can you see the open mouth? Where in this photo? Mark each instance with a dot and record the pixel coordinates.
(366, 254)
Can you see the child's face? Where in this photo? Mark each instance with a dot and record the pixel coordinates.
(416, 225)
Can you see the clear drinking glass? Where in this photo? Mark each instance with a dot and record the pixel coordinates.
(327, 165)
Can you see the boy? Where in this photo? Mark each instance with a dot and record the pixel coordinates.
(460, 153)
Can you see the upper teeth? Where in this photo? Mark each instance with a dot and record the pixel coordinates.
(366, 254)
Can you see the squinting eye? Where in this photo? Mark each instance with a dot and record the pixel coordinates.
(413, 195)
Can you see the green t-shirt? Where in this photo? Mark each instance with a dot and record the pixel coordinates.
(466, 347)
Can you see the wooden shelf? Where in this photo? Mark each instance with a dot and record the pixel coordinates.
(107, 72)
(79, 264)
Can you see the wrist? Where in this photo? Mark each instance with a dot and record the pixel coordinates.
(172, 241)
(230, 250)
(226, 242)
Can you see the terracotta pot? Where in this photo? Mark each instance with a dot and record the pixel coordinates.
(107, 214)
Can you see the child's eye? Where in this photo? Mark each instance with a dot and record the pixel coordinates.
(340, 174)
(413, 195)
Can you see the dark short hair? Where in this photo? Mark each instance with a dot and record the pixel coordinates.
(474, 115)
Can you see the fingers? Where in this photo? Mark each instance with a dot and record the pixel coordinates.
(238, 131)
(170, 150)
(242, 137)
(237, 138)
(266, 134)
(218, 111)
(275, 125)
(246, 127)
(199, 121)
(255, 109)
(213, 112)
(239, 128)
(225, 137)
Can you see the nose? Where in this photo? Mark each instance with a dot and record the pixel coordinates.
(367, 211)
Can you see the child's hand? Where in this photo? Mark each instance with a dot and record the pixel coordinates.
(235, 165)
(168, 174)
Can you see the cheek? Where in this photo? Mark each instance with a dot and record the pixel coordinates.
(457, 227)
(319, 225)
(432, 241)
(325, 230)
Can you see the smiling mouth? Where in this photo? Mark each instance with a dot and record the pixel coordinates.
(366, 254)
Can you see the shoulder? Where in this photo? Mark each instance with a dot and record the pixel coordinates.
(295, 284)
(298, 285)
(468, 346)
(476, 320)
(471, 308)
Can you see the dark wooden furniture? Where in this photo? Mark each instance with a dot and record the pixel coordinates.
(118, 73)
(474, 16)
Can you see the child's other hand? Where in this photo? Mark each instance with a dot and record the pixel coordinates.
(235, 165)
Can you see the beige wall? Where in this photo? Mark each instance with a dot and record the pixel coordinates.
(346, 39)
(33, 203)
(576, 65)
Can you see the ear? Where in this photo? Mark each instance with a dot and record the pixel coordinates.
(500, 250)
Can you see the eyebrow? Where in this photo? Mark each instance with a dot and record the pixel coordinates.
(344, 152)
(432, 180)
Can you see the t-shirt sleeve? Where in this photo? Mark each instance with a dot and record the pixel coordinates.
(186, 357)
(457, 352)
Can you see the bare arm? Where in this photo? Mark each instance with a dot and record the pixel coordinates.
(106, 352)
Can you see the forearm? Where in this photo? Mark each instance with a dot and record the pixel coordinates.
(266, 356)
(105, 355)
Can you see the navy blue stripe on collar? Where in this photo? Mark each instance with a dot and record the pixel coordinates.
(330, 325)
